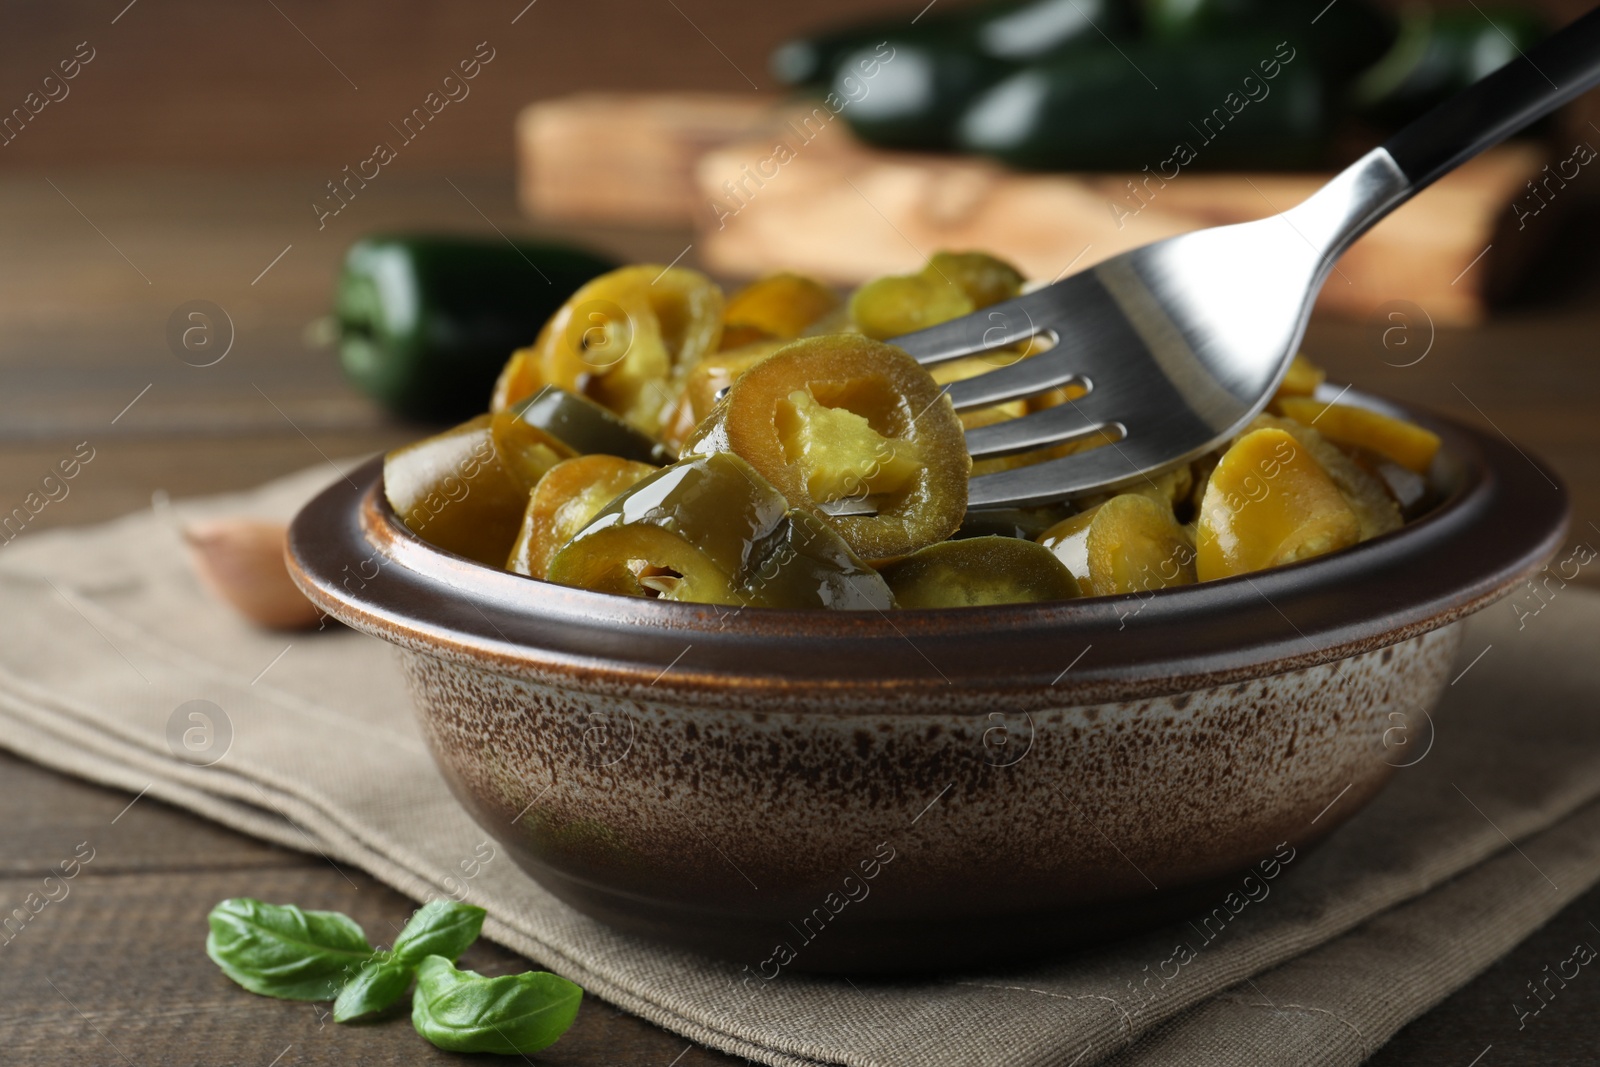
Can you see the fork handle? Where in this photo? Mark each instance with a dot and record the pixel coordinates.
(1560, 68)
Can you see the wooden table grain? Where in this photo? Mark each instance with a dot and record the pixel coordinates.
(92, 268)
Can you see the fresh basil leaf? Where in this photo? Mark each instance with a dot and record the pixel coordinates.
(279, 950)
(462, 1011)
(439, 928)
(380, 982)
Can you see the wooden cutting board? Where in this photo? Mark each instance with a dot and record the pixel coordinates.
(769, 185)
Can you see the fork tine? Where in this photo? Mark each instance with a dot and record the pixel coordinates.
(1025, 377)
(1053, 479)
(1048, 427)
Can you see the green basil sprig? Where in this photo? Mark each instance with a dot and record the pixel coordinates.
(439, 928)
(381, 981)
(462, 1011)
(278, 950)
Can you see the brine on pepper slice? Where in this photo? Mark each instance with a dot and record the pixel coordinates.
(564, 502)
(842, 417)
(711, 530)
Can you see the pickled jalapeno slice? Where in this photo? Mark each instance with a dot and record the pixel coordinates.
(827, 419)
(984, 278)
(979, 571)
(1129, 544)
(1364, 492)
(1269, 503)
(904, 303)
(519, 378)
(1135, 546)
(587, 428)
(526, 450)
(780, 406)
(1405, 443)
(623, 338)
(778, 307)
(711, 530)
(1068, 541)
(552, 426)
(704, 385)
(1301, 379)
(564, 502)
(950, 285)
(454, 491)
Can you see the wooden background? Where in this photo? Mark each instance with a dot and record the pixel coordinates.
(191, 84)
(182, 166)
(274, 83)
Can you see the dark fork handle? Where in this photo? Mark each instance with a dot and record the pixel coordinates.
(1560, 68)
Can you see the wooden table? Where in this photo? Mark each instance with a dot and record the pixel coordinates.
(92, 267)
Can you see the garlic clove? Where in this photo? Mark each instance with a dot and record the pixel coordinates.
(241, 560)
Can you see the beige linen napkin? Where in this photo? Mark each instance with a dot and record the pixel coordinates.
(105, 635)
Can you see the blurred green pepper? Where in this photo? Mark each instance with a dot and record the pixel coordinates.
(904, 86)
(1009, 30)
(425, 322)
(919, 86)
(1436, 55)
(1342, 38)
(1131, 84)
(1245, 102)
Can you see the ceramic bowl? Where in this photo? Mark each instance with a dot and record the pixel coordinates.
(889, 792)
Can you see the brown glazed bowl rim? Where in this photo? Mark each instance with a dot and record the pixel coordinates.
(1498, 524)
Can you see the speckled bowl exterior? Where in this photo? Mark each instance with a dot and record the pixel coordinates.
(867, 792)
(719, 827)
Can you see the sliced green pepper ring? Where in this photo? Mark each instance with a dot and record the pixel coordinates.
(527, 451)
(904, 303)
(979, 571)
(589, 429)
(776, 307)
(984, 278)
(842, 417)
(713, 531)
(950, 285)
(454, 491)
(553, 425)
(705, 384)
(564, 502)
(626, 337)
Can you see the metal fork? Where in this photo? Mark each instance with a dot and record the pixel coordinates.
(1182, 342)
